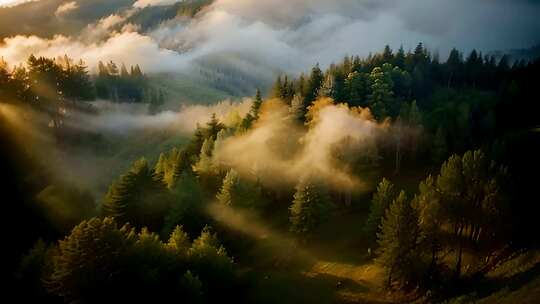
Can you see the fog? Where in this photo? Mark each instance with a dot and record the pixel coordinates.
(127, 127)
(124, 119)
(280, 152)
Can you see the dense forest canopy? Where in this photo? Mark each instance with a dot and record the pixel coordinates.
(314, 149)
(402, 175)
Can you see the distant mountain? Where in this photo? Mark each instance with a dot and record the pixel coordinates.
(150, 17)
(39, 18)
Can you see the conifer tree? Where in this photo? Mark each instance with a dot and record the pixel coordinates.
(86, 258)
(137, 197)
(398, 240)
(314, 84)
(309, 208)
(179, 242)
(381, 93)
(399, 59)
(469, 192)
(237, 192)
(382, 198)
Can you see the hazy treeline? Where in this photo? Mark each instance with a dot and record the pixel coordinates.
(45, 81)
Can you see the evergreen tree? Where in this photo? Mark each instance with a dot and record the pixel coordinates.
(277, 89)
(309, 208)
(454, 66)
(179, 242)
(381, 93)
(137, 198)
(256, 106)
(469, 199)
(254, 112)
(187, 205)
(382, 198)
(399, 240)
(236, 192)
(314, 84)
(213, 127)
(90, 260)
(427, 202)
(358, 86)
(387, 55)
(399, 59)
(210, 260)
(205, 165)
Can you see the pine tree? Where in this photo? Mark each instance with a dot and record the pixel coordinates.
(469, 189)
(398, 240)
(205, 165)
(86, 259)
(137, 197)
(387, 55)
(213, 127)
(209, 257)
(399, 59)
(358, 86)
(187, 204)
(381, 93)
(314, 84)
(427, 202)
(309, 208)
(256, 106)
(254, 112)
(228, 189)
(179, 242)
(382, 198)
(454, 66)
(277, 89)
(237, 192)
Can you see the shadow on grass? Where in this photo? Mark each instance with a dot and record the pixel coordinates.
(287, 287)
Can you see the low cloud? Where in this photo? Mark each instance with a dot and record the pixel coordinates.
(117, 118)
(145, 3)
(126, 47)
(259, 39)
(127, 124)
(66, 8)
(281, 152)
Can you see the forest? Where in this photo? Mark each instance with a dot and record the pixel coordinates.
(430, 170)
(394, 176)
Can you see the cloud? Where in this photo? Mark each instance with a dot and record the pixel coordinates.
(66, 8)
(145, 3)
(12, 3)
(280, 152)
(125, 47)
(115, 118)
(125, 125)
(259, 39)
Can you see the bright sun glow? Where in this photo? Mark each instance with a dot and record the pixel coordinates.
(13, 2)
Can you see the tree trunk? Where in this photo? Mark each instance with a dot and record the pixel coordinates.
(458, 262)
(460, 251)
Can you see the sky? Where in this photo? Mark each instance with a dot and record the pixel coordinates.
(263, 37)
